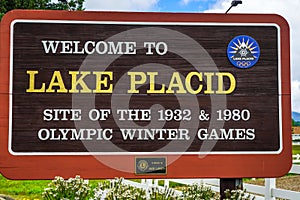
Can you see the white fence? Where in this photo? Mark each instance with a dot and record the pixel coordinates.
(268, 192)
(296, 158)
(296, 139)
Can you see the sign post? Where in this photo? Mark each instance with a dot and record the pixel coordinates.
(159, 95)
(230, 184)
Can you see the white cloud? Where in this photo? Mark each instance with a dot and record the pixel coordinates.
(289, 9)
(202, 3)
(185, 2)
(121, 5)
(296, 96)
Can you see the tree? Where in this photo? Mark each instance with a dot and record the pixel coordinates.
(66, 5)
(7, 5)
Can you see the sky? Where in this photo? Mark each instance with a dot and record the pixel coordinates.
(289, 9)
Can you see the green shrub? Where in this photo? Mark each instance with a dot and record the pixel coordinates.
(117, 190)
(197, 191)
(71, 189)
(79, 189)
(237, 194)
(162, 193)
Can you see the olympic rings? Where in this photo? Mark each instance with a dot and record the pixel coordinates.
(243, 63)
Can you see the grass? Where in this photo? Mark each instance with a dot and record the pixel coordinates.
(22, 190)
(28, 190)
(296, 149)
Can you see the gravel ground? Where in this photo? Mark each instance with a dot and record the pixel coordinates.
(4, 197)
(286, 182)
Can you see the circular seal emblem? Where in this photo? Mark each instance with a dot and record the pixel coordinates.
(243, 51)
(142, 165)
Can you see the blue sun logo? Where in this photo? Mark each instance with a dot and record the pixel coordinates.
(243, 52)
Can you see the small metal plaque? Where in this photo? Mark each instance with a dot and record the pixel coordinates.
(150, 166)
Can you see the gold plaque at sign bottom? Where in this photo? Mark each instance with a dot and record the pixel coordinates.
(150, 166)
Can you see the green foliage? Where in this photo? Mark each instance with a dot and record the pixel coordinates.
(8, 5)
(71, 5)
(197, 191)
(296, 123)
(238, 195)
(117, 190)
(78, 189)
(162, 194)
(293, 122)
(71, 189)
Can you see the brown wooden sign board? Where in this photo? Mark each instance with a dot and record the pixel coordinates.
(109, 94)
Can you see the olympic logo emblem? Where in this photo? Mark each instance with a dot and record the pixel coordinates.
(243, 52)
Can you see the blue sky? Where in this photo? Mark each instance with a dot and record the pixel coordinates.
(151, 5)
(183, 6)
(289, 9)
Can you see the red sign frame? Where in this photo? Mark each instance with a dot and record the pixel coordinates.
(185, 166)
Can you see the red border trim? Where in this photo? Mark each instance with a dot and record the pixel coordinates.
(187, 166)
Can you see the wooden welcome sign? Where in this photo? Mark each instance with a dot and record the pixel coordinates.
(108, 94)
